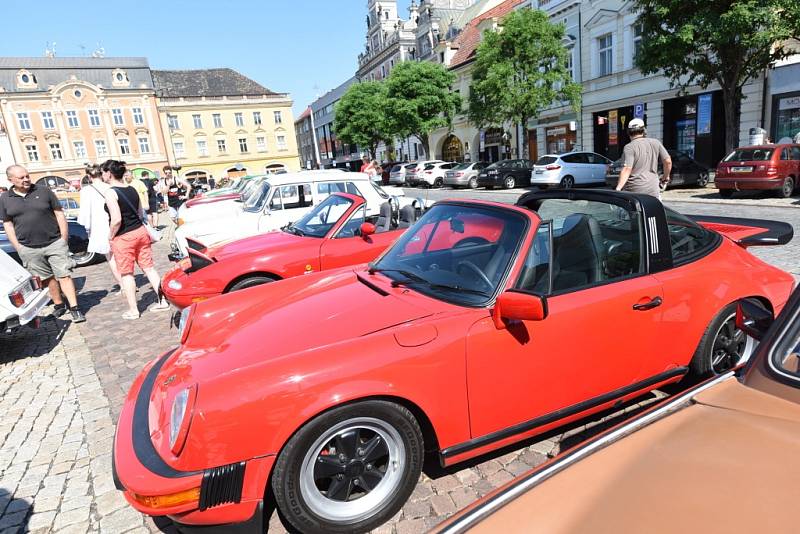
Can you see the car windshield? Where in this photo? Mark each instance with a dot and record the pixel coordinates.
(462, 166)
(546, 160)
(383, 194)
(319, 221)
(396, 168)
(411, 166)
(256, 198)
(499, 164)
(750, 154)
(456, 253)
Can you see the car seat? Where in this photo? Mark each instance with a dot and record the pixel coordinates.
(578, 255)
(384, 223)
(408, 216)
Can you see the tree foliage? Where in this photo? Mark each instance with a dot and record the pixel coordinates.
(420, 100)
(521, 70)
(360, 116)
(729, 42)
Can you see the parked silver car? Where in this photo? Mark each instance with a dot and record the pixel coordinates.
(464, 175)
(571, 169)
(397, 174)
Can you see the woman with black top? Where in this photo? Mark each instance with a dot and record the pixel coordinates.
(130, 241)
(152, 198)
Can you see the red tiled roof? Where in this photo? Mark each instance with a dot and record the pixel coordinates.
(470, 37)
(304, 114)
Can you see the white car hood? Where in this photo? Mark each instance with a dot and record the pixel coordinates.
(217, 228)
(11, 273)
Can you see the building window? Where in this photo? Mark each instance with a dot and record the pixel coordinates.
(55, 151)
(257, 118)
(80, 149)
(638, 32)
(281, 142)
(261, 144)
(94, 118)
(177, 146)
(242, 145)
(33, 152)
(124, 147)
(217, 120)
(100, 147)
(570, 62)
(383, 71)
(72, 119)
(198, 123)
(24, 121)
(47, 121)
(606, 55)
(239, 118)
(221, 147)
(118, 119)
(144, 145)
(172, 122)
(278, 117)
(202, 147)
(138, 117)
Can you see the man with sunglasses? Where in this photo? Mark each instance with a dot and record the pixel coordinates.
(38, 230)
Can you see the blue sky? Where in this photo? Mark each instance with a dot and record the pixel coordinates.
(303, 47)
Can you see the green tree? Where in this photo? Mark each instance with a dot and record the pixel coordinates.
(729, 42)
(420, 100)
(519, 71)
(360, 117)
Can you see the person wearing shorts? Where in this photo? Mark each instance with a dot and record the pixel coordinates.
(38, 230)
(130, 241)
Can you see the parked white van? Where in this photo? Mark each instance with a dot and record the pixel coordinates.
(284, 198)
(21, 298)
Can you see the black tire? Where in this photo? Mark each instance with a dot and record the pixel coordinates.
(787, 188)
(721, 344)
(84, 258)
(473, 183)
(250, 281)
(509, 182)
(702, 179)
(567, 182)
(292, 467)
(726, 193)
(438, 182)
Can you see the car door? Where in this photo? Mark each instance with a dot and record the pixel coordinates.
(598, 166)
(795, 155)
(345, 246)
(591, 344)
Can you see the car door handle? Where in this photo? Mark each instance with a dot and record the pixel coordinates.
(648, 305)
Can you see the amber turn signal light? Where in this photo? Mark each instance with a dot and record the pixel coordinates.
(168, 501)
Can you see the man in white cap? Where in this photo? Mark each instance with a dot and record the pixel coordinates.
(640, 162)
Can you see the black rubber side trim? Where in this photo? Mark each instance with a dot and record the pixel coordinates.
(142, 444)
(222, 485)
(376, 289)
(559, 414)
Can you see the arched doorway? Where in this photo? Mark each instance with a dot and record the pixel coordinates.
(275, 168)
(452, 149)
(138, 171)
(55, 182)
(233, 172)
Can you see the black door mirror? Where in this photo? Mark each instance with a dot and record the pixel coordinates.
(753, 318)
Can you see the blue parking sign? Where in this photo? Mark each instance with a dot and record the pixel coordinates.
(638, 111)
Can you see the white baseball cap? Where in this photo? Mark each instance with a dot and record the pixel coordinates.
(636, 123)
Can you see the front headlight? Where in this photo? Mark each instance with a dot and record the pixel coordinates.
(185, 323)
(174, 284)
(178, 421)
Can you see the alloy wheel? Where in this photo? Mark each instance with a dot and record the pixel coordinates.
(731, 346)
(702, 179)
(788, 188)
(473, 183)
(568, 182)
(83, 258)
(509, 182)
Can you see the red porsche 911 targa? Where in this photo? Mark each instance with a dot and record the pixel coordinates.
(482, 325)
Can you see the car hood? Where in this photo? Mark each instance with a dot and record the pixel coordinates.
(208, 200)
(290, 318)
(257, 244)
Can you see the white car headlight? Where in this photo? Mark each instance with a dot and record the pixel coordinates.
(178, 424)
(183, 323)
(174, 284)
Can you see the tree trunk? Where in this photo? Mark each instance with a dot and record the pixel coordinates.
(732, 99)
(526, 152)
(423, 138)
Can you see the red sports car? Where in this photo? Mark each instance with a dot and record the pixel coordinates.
(334, 234)
(482, 325)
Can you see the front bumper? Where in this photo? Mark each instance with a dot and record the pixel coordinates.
(230, 495)
(490, 179)
(755, 183)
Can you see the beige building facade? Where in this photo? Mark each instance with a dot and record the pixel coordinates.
(219, 123)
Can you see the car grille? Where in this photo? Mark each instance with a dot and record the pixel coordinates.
(222, 485)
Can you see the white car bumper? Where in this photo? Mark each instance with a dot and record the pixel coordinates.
(16, 317)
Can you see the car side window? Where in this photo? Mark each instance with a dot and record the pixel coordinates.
(785, 154)
(570, 158)
(275, 203)
(593, 242)
(687, 239)
(296, 196)
(352, 227)
(535, 274)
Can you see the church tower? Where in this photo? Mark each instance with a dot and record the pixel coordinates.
(382, 21)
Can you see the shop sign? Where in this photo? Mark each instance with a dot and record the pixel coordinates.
(483, 141)
(704, 114)
(613, 138)
(638, 111)
(792, 102)
(561, 130)
(494, 137)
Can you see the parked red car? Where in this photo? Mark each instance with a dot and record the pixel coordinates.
(762, 167)
(334, 234)
(482, 325)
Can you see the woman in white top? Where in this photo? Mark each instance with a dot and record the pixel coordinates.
(94, 218)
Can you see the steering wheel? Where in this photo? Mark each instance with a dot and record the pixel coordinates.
(477, 271)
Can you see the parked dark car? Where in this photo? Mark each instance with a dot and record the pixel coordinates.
(508, 174)
(760, 168)
(78, 243)
(685, 171)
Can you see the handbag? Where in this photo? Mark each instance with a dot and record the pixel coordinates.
(154, 234)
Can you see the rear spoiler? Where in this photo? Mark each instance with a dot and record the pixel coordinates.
(748, 232)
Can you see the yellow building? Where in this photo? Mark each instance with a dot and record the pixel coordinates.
(220, 123)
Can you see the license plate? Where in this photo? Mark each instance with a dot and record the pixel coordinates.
(27, 289)
(741, 169)
(540, 172)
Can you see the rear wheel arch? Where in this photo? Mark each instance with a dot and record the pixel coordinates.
(250, 275)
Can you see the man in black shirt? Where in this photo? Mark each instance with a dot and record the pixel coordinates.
(36, 226)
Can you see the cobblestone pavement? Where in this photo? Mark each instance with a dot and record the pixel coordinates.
(61, 388)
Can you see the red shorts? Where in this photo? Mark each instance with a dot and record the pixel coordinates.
(132, 247)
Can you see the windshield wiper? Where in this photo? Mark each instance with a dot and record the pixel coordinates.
(293, 230)
(460, 288)
(416, 278)
(408, 274)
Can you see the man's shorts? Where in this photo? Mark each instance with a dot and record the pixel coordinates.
(132, 247)
(45, 262)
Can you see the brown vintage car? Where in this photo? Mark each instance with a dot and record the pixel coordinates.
(722, 457)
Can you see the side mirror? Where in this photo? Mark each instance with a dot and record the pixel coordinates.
(367, 229)
(518, 306)
(753, 318)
